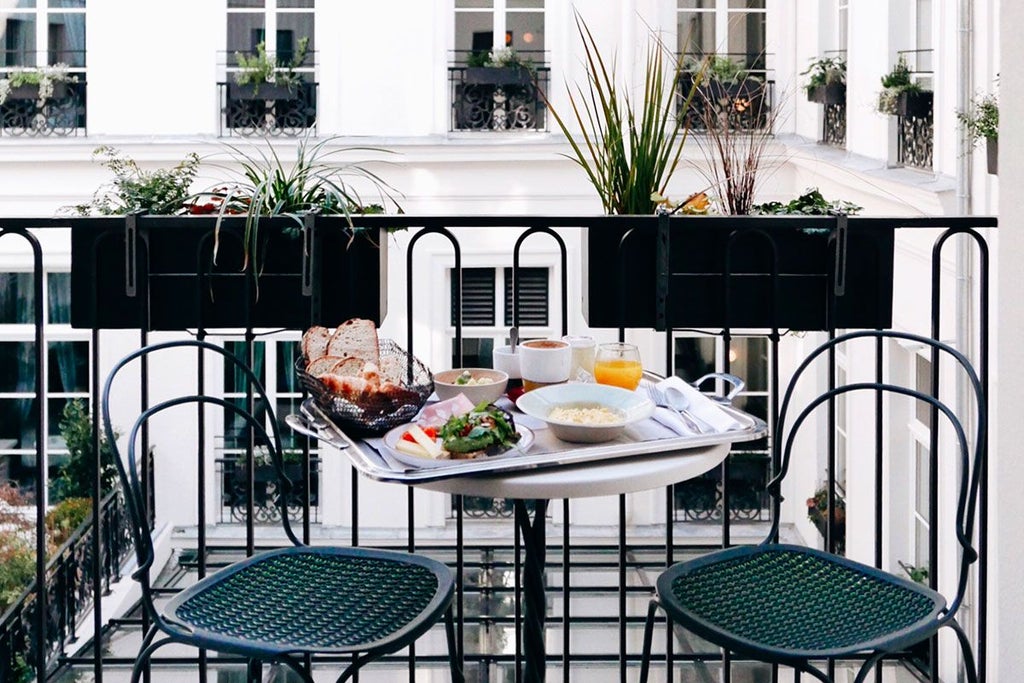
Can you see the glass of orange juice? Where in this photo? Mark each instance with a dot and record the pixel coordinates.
(618, 364)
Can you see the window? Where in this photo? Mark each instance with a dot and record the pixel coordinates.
(288, 21)
(482, 288)
(66, 374)
(732, 28)
(485, 25)
(41, 33)
(920, 465)
(843, 24)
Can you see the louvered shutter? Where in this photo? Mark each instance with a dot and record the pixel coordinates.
(533, 297)
(477, 298)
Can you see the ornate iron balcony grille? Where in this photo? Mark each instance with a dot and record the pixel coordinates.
(268, 109)
(498, 98)
(915, 141)
(62, 114)
(833, 131)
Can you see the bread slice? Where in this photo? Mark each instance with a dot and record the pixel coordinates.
(355, 338)
(347, 367)
(314, 343)
(323, 365)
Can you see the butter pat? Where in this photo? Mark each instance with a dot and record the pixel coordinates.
(432, 448)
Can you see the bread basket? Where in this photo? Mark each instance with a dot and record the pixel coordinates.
(374, 414)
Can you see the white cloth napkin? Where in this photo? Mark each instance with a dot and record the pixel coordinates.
(671, 419)
(701, 407)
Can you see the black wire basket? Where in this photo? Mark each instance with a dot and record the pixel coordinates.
(374, 413)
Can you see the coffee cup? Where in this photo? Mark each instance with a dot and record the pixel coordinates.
(544, 361)
(507, 361)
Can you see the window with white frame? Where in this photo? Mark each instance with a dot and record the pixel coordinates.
(842, 24)
(278, 24)
(66, 375)
(39, 33)
(728, 28)
(482, 26)
(484, 290)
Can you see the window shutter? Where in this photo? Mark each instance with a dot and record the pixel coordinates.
(533, 297)
(477, 297)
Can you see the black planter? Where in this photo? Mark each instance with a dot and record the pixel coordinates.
(263, 91)
(349, 275)
(915, 104)
(697, 293)
(491, 75)
(832, 93)
(31, 92)
(992, 155)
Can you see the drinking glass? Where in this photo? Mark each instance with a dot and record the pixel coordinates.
(618, 364)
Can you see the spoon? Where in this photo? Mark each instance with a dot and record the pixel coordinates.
(678, 400)
(513, 335)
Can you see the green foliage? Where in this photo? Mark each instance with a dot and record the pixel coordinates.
(46, 78)
(17, 566)
(810, 203)
(630, 150)
(982, 119)
(722, 69)
(163, 191)
(505, 57)
(65, 517)
(897, 81)
(316, 181)
(825, 71)
(917, 574)
(76, 477)
(263, 68)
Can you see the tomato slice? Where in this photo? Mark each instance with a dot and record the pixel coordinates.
(431, 432)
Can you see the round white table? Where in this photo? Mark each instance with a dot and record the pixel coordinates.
(601, 478)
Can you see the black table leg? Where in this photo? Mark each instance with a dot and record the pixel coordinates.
(534, 600)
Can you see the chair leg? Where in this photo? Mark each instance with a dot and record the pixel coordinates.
(149, 647)
(820, 675)
(453, 651)
(965, 648)
(645, 663)
(358, 661)
(297, 667)
(866, 667)
(254, 670)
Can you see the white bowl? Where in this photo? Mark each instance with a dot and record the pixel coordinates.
(629, 405)
(445, 386)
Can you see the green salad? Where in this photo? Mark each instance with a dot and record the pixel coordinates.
(486, 428)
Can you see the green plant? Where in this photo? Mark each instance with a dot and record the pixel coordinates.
(17, 553)
(894, 83)
(65, 517)
(316, 181)
(630, 150)
(982, 119)
(163, 191)
(721, 69)
(75, 478)
(46, 78)
(817, 512)
(824, 71)
(263, 68)
(810, 203)
(916, 574)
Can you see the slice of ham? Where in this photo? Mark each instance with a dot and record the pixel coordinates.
(436, 414)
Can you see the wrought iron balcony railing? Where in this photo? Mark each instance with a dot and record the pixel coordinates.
(59, 114)
(758, 273)
(268, 109)
(489, 98)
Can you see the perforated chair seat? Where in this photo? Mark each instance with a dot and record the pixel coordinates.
(788, 603)
(307, 599)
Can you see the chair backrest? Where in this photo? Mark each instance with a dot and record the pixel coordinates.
(971, 458)
(128, 465)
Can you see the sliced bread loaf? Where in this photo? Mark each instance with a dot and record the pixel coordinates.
(355, 338)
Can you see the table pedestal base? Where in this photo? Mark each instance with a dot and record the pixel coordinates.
(534, 599)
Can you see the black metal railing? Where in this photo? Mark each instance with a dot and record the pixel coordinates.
(268, 109)
(69, 594)
(833, 131)
(752, 279)
(234, 491)
(59, 114)
(490, 98)
(740, 98)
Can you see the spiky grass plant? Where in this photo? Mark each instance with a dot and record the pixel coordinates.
(318, 181)
(630, 149)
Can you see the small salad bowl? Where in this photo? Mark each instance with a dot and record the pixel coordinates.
(479, 385)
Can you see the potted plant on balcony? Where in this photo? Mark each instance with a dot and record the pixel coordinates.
(499, 68)
(818, 511)
(826, 82)
(260, 77)
(47, 83)
(981, 121)
(256, 250)
(901, 96)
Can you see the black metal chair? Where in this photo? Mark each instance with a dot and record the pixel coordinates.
(791, 605)
(280, 605)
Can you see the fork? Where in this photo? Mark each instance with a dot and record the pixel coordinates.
(658, 397)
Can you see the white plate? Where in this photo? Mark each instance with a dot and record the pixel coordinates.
(391, 438)
(631, 405)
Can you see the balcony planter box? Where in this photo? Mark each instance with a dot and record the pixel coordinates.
(992, 155)
(350, 280)
(697, 283)
(263, 91)
(915, 104)
(833, 93)
(266, 481)
(31, 92)
(498, 76)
